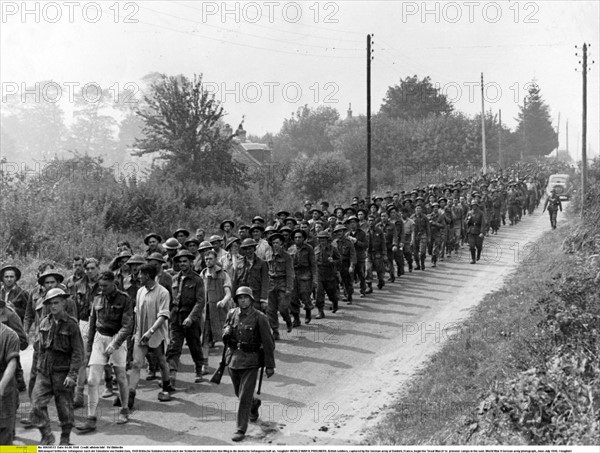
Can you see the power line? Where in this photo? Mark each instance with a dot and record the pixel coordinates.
(355, 41)
(195, 22)
(198, 35)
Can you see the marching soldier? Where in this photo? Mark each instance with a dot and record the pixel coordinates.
(347, 252)
(305, 277)
(281, 284)
(186, 315)
(437, 224)
(327, 258)
(59, 361)
(253, 272)
(250, 346)
(553, 204)
(390, 233)
(377, 253)
(421, 237)
(476, 225)
(360, 241)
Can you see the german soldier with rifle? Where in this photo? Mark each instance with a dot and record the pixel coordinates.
(250, 346)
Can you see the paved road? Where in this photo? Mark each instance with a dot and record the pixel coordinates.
(335, 376)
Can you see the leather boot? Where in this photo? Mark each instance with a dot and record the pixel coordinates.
(335, 306)
(320, 315)
(296, 322)
(47, 436)
(369, 288)
(433, 261)
(78, 398)
(478, 254)
(422, 262)
(473, 256)
(86, 427)
(308, 317)
(65, 437)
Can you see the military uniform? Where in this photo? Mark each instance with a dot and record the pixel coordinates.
(347, 258)
(553, 204)
(60, 355)
(250, 346)
(422, 235)
(305, 279)
(437, 224)
(327, 281)
(281, 284)
(377, 253)
(187, 303)
(476, 225)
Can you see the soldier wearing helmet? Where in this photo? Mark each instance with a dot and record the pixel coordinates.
(250, 346)
(254, 273)
(327, 258)
(186, 315)
(553, 204)
(60, 359)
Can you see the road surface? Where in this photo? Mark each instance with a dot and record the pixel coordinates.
(334, 377)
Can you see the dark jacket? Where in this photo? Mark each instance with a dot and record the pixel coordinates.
(111, 315)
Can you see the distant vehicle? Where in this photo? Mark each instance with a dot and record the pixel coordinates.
(562, 186)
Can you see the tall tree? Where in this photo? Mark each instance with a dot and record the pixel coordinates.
(415, 99)
(305, 133)
(535, 126)
(93, 132)
(181, 126)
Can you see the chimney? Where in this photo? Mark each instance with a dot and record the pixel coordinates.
(349, 111)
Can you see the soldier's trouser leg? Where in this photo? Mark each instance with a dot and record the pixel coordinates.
(379, 269)
(331, 289)
(33, 372)
(368, 270)
(436, 246)
(407, 252)
(277, 302)
(7, 432)
(553, 218)
(320, 302)
(478, 245)
(244, 382)
(45, 388)
(472, 238)
(399, 259)
(457, 237)
(391, 260)
(192, 338)
(360, 270)
(295, 299)
(346, 278)
(176, 337)
(152, 362)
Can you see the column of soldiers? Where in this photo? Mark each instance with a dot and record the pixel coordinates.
(101, 324)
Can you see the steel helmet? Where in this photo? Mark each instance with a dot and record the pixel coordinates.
(244, 290)
(54, 293)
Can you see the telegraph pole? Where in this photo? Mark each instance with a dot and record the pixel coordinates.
(584, 131)
(500, 138)
(558, 136)
(524, 134)
(369, 58)
(483, 129)
(584, 70)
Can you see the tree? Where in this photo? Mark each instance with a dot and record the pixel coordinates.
(415, 99)
(35, 123)
(182, 125)
(93, 132)
(305, 133)
(535, 127)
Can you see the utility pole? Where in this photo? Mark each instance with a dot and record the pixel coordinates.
(567, 135)
(500, 138)
(558, 136)
(524, 123)
(584, 131)
(369, 58)
(483, 129)
(584, 70)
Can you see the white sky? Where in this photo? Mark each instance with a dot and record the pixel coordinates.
(322, 54)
